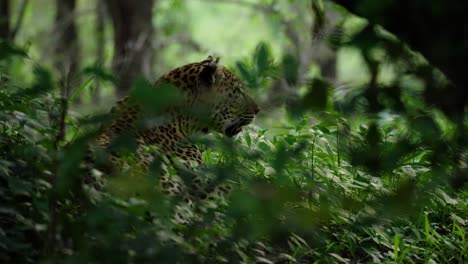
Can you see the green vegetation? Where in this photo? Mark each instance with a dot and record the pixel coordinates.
(359, 153)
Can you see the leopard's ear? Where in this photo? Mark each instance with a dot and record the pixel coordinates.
(210, 58)
(208, 75)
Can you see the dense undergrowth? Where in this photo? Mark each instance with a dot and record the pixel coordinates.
(336, 185)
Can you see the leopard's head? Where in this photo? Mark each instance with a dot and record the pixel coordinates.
(210, 86)
(230, 106)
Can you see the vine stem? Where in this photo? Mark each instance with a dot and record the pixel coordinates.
(59, 138)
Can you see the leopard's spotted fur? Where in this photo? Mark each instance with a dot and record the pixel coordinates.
(205, 86)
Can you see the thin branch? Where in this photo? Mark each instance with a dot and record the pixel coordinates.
(20, 19)
(59, 138)
(59, 29)
(319, 23)
(178, 38)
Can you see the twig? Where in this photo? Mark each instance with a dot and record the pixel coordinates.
(59, 29)
(178, 38)
(319, 23)
(60, 137)
(52, 231)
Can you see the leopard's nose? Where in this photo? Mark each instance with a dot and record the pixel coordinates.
(252, 105)
(256, 109)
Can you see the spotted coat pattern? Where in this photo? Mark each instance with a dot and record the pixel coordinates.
(206, 87)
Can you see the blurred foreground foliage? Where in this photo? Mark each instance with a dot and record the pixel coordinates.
(375, 173)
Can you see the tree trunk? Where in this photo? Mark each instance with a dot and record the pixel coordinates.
(325, 23)
(100, 41)
(133, 38)
(437, 30)
(5, 32)
(67, 47)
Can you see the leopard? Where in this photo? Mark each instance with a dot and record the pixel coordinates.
(212, 98)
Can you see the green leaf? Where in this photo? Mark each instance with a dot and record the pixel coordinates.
(262, 58)
(100, 73)
(264, 146)
(8, 50)
(339, 258)
(80, 89)
(42, 84)
(290, 68)
(246, 73)
(248, 140)
(317, 96)
(396, 246)
(427, 230)
(446, 197)
(155, 99)
(262, 132)
(290, 139)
